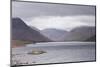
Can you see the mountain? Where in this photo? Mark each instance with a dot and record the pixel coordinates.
(77, 34)
(34, 28)
(21, 31)
(80, 33)
(54, 34)
(17, 23)
(92, 38)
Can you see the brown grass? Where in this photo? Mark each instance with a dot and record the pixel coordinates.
(19, 43)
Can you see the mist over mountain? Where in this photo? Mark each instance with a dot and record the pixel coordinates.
(77, 34)
(80, 33)
(21, 31)
(54, 34)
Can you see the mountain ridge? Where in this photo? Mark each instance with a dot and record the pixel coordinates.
(76, 34)
(21, 31)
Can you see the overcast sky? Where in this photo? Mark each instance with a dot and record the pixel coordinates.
(43, 15)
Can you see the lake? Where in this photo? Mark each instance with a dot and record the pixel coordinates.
(56, 52)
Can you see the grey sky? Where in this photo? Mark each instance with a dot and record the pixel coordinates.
(43, 15)
(26, 10)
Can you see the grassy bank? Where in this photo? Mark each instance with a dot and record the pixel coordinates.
(19, 43)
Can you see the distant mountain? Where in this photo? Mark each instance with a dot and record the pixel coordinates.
(21, 31)
(77, 34)
(80, 34)
(54, 34)
(92, 38)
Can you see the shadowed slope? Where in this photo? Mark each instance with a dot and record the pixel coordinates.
(21, 31)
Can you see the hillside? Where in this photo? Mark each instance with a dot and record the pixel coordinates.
(54, 34)
(21, 31)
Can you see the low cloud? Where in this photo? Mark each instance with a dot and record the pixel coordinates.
(62, 22)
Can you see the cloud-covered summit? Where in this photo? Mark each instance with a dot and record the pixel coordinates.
(46, 15)
(65, 22)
